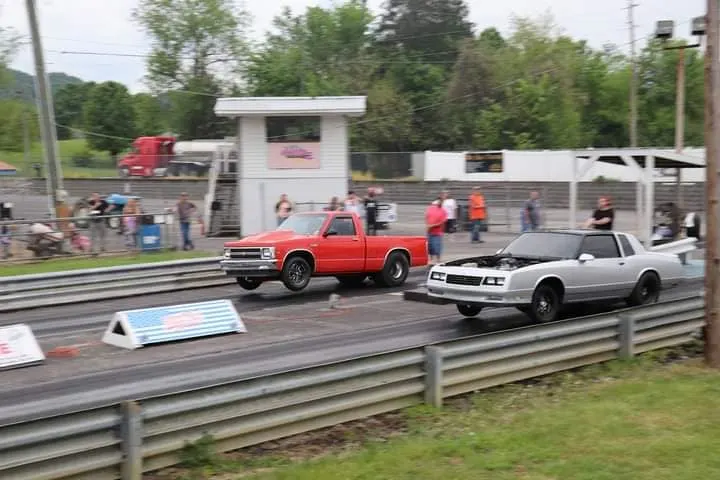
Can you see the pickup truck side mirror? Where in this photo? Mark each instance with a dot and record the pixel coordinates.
(585, 257)
(329, 233)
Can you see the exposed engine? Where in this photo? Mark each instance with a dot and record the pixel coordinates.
(499, 263)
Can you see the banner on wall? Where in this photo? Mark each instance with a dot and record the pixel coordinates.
(484, 162)
(297, 155)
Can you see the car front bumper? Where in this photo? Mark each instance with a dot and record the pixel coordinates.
(483, 296)
(250, 268)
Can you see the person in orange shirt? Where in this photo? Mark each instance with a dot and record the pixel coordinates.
(478, 213)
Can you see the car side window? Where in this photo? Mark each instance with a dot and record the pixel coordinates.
(600, 246)
(344, 226)
(627, 248)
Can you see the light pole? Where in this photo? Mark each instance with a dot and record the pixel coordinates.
(664, 32)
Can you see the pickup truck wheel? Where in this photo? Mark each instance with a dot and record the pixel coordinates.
(248, 283)
(468, 310)
(296, 274)
(545, 305)
(646, 291)
(351, 280)
(395, 271)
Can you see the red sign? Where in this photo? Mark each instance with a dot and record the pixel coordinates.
(5, 349)
(182, 321)
(301, 155)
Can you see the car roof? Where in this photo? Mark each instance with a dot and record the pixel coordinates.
(575, 231)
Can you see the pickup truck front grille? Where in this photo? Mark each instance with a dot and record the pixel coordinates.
(464, 280)
(245, 254)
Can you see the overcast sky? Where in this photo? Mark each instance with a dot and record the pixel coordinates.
(105, 26)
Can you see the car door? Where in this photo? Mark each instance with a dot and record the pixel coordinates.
(605, 276)
(341, 248)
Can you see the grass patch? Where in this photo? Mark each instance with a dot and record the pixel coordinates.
(66, 264)
(70, 152)
(644, 419)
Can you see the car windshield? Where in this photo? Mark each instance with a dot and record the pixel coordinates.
(544, 245)
(304, 224)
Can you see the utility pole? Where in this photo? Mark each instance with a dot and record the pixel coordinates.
(634, 77)
(712, 151)
(46, 112)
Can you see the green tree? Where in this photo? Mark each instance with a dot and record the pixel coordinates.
(9, 43)
(109, 114)
(192, 114)
(150, 116)
(69, 102)
(194, 42)
(387, 126)
(16, 116)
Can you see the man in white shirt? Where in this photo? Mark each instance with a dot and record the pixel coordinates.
(450, 206)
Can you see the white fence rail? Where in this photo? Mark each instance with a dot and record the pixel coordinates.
(140, 436)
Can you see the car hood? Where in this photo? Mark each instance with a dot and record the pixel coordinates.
(471, 271)
(268, 239)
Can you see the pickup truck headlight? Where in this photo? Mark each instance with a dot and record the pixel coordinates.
(494, 281)
(437, 276)
(226, 253)
(267, 253)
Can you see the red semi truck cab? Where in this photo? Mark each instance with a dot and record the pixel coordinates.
(150, 157)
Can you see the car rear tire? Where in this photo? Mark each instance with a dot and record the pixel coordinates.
(394, 272)
(646, 291)
(296, 274)
(351, 280)
(546, 304)
(248, 283)
(468, 311)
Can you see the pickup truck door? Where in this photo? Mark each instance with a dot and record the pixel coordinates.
(341, 249)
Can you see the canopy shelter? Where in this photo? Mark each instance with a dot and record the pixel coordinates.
(7, 169)
(644, 161)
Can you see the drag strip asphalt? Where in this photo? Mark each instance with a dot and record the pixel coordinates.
(276, 340)
(95, 316)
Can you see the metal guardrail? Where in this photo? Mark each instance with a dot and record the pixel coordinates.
(75, 286)
(139, 436)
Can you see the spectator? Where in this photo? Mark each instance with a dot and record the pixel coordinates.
(602, 218)
(450, 206)
(371, 212)
(6, 239)
(477, 212)
(130, 222)
(283, 208)
(334, 205)
(531, 213)
(98, 228)
(352, 203)
(185, 210)
(435, 218)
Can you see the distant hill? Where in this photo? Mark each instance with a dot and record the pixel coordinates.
(25, 83)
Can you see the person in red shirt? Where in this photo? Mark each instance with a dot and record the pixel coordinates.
(435, 218)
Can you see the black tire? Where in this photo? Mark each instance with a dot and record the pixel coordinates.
(468, 311)
(296, 274)
(546, 304)
(646, 291)
(351, 280)
(248, 283)
(394, 272)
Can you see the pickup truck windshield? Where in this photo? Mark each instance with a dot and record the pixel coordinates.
(544, 245)
(304, 224)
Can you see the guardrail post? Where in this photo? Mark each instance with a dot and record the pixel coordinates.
(433, 376)
(626, 336)
(131, 435)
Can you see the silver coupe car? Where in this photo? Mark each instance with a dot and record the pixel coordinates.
(539, 272)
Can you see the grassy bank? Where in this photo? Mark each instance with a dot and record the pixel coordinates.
(69, 149)
(66, 264)
(638, 420)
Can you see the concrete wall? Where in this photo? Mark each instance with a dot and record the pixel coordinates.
(555, 194)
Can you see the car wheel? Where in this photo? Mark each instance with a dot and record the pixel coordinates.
(394, 272)
(468, 310)
(351, 280)
(296, 274)
(248, 283)
(545, 305)
(646, 291)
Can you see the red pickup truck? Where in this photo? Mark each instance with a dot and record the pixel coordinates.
(325, 244)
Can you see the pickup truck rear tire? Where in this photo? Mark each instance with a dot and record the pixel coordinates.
(394, 272)
(296, 273)
(248, 283)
